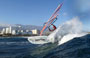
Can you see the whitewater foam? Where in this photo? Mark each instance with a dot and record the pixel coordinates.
(67, 31)
(69, 37)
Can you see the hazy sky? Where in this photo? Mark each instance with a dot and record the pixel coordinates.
(36, 12)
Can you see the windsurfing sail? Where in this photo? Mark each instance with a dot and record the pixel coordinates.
(51, 20)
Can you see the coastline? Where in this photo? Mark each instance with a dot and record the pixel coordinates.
(16, 36)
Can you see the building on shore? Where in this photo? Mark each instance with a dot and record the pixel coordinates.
(11, 31)
(3, 31)
(14, 32)
(36, 31)
(7, 30)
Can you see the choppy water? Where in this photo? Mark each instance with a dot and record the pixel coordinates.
(21, 48)
(14, 47)
(76, 48)
(73, 48)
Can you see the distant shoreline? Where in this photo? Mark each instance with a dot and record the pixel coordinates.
(23, 36)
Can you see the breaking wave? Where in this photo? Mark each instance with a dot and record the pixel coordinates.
(67, 31)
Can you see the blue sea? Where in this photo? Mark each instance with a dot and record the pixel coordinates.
(18, 47)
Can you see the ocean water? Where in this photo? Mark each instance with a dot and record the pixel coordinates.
(21, 48)
(78, 47)
(66, 42)
(14, 47)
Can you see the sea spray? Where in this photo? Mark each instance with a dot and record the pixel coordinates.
(70, 37)
(74, 26)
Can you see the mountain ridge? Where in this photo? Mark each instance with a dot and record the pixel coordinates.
(20, 26)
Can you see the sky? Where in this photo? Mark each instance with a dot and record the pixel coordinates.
(36, 12)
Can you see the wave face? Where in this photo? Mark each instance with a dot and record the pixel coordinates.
(76, 48)
(71, 27)
(69, 37)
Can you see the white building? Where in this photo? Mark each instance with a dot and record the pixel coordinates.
(35, 31)
(22, 31)
(8, 30)
(3, 31)
(13, 32)
(27, 31)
